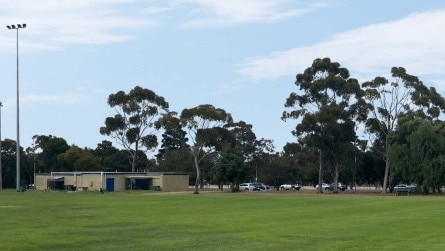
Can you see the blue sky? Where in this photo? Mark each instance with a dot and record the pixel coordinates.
(239, 55)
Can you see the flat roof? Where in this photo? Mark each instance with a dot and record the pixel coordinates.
(140, 177)
(54, 174)
(56, 178)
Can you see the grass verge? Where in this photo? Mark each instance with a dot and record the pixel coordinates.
(219, 221)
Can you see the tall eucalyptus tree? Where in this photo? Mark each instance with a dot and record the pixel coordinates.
(133, 126)
(328, 106)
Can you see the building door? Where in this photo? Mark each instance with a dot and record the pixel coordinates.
(110, 184)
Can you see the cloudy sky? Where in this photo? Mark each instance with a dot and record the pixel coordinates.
(239, 55)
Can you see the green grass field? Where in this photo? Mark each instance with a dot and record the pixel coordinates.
(219, 221)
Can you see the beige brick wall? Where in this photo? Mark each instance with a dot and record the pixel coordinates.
(174, 183)
(96, 181)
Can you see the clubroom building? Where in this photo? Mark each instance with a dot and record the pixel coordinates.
(112, 181)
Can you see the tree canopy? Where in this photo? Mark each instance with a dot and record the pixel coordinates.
(204, 125)
(133, 127)
(329, 104)
(398, 118)
(418, 153)
(389, 100)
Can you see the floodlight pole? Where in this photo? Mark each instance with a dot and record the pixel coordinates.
(1, 168)
(34, 160)
(14, 27)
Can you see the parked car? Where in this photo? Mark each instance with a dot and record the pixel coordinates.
(290, 187)
(324, 186)
(403, 188)
(341, 186)
(286, 187)
(261, 187)
(269, 187)
(253, 187)
(247, 186)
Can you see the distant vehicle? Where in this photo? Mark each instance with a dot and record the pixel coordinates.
(286, 187)
(269, 187)
(298, 185)
(324, 186)
(247, 186)
(261, 187)
(403, 188)
(290, 187)
(253, 187)
(341, 186)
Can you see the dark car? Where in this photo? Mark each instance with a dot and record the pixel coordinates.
(403, 188)
(260, 187)
(342, 187)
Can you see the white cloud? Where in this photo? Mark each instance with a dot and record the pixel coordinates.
(414, 42)
(54, 23)
(75, 97)
(210, 13)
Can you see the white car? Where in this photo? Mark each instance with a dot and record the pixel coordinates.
(248, 186)
(324, 186)
(290, 187)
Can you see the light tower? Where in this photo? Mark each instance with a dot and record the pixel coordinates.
(17, 28)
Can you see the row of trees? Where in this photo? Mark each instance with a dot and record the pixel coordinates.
(54, 154)
(400, 117)
(331, 106)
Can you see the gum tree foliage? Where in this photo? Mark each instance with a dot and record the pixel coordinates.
(328, 104)
(306, 162)
(174, 137)
(78, 159)
(417, 153)
(204, 125)
(247, 143)
(174, 153)
(133, 127)
(9, 163)
(259, 167)
(278, 169)
(111, 158)
(231, 168)
(389, 99)
(245, 138)
(49, 147)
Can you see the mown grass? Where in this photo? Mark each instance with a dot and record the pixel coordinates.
(219, 221)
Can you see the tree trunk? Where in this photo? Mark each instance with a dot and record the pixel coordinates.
(337, 173)
(198, 176)
(320, 172)
(133, 163)
(385, 178)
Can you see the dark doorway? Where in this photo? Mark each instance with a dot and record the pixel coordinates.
(55, 183)
(139, 183)
(110, 184)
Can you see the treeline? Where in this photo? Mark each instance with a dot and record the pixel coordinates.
(54, 154)
(398, 119)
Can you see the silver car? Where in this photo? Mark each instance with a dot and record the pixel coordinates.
(247, 186)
